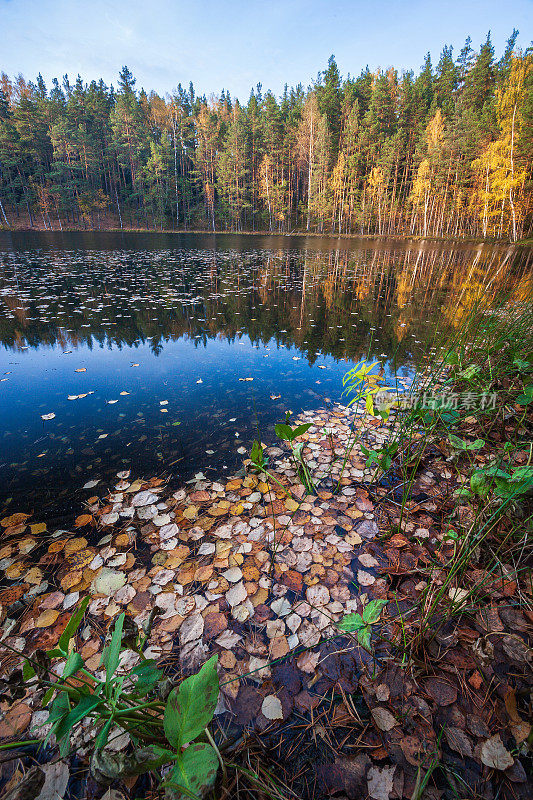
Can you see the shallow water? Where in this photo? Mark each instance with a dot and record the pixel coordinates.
(167, 327)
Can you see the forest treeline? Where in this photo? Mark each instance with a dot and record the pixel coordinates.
(448, 152)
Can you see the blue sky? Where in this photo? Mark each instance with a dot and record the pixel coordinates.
(233, 44)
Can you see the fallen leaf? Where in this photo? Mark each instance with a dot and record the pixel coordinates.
(71, 579)
(494, 754)
(14, 520)
(443, 693)
(458, 741)
(237, 594)
(15, 721)
(365, 578)
(191, 629)
(383, 719)
(57, 775)
(82, 520)
(271, 707)
(380, 782)
(46, 619)
(108, 581)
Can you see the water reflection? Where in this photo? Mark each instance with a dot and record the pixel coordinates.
(149, 335)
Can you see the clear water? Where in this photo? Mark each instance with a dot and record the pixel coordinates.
(177, 320)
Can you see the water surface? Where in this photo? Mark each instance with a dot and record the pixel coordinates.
(160, 333)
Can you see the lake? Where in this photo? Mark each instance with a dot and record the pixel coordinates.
(167, 354)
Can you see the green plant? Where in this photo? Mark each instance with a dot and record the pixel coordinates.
(163, 733)
(381, 458)
(462, 445)
(360, 383)
(365, 385)
(503, 485)
(288, 434)
(361, 624)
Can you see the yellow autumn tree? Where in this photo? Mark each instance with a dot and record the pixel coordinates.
(376, 188)
(499, 197)
(423, 184)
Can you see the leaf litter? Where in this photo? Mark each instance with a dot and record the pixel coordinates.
(262, 573)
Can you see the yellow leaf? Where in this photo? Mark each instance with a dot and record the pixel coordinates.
(47, 618)
(191, 512)
(38, 527)
(73, 545)
(291, 505)
(71, 579)
(34, 576)
(56, 547)
(14, 520)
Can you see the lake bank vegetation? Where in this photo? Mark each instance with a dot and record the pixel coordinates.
(354, 607)
(445, 153)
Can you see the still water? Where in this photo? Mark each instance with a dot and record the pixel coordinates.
(143, 346)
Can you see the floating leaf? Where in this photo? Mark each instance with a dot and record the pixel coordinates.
(15, 519)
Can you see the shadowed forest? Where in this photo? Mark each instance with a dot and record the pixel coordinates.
(445, 153)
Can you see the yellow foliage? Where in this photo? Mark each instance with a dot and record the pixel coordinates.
(498, 198)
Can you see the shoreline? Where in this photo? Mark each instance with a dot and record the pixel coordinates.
(239, 568)
(397, 238)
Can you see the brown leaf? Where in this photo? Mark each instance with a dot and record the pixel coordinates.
(13, 594)
(443, 693)
(516, 649)
(82, 520)
(458, 741)
(293, 579)
(412, 749)
(15, 721)
(26, 787)
(383, 719)
(475, 680)
(214, 623)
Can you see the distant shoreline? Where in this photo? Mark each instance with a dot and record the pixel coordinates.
(300, 234)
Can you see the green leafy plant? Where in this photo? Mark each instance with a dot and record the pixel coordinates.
(504, 485)
(461, 444)
(288, 434)
(381, 458)
(173, 733)
(360, 383)
(526, 397)
(361, 624)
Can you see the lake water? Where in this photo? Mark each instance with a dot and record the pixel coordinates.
(158, 333)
